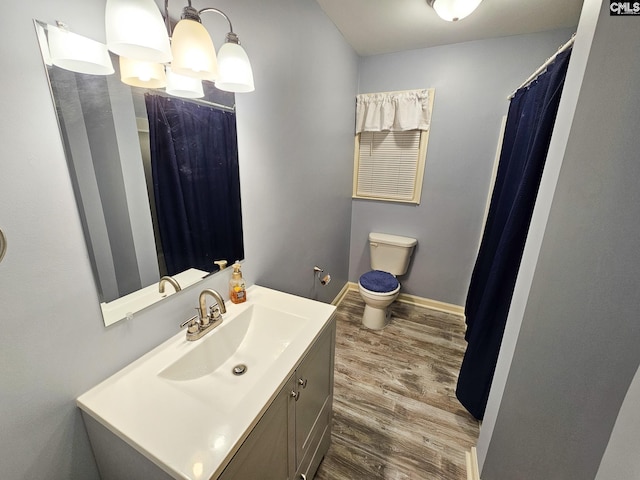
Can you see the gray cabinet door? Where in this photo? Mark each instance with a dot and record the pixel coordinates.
(314, 383)
(264, 454)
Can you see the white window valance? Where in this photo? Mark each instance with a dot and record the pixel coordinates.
(393, 111)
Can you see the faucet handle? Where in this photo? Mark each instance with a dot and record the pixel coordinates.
(192, 324)
(214, 312)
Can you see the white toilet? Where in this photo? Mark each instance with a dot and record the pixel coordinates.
(390, 255)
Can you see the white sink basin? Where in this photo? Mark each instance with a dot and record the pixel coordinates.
(182, 407)
(252, 342)
(255, 338)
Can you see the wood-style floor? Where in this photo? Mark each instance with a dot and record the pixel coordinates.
(395, 411)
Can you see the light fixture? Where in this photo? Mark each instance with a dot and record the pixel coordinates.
(183, 86)
(235, 74)
(454, 10)
(77, 53)
(192, 52)
(139, 73)
(231, 70)
(135, 29)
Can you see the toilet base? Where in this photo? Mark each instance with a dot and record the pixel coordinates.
(375, 318)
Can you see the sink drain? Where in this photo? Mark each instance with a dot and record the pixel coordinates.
(239, 369)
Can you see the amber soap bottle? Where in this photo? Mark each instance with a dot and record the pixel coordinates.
(237, 288)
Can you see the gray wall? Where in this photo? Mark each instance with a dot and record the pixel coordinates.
(295, 141)
(472, 82)
(577, 349)
(296, 145)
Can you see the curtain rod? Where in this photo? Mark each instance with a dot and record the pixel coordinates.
(544, 66)
(396, 91)
(219, 106)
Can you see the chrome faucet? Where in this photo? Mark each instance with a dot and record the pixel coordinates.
(201, 324)
(167, 279)
(203, 301)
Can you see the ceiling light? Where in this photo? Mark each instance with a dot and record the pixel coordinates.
(77, 53)
(454, 10)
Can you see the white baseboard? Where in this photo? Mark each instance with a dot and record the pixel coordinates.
(472, 465)
(420, 301)
(432, 304)
(341, 294)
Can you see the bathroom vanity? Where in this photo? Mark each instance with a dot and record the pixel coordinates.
(250, 400)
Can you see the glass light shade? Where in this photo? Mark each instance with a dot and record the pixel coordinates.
(193, 51)
(235, 73)
(142, 74)
(135, 29)
(182, 86)
(77, 53)
(454, 10)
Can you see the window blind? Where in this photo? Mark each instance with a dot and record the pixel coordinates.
(388, 164)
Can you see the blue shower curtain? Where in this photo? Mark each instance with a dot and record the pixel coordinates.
(194, 160)
(530, 121)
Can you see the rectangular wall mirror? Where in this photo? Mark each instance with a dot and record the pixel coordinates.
(156, 180)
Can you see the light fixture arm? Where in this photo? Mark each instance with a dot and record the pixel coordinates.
(219, 12)
(188, 12)
(193, 14)
(167, 20)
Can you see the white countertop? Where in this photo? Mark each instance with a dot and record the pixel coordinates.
(192, 428)
(127, 305)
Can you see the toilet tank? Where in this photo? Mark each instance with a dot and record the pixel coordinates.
(390, 253)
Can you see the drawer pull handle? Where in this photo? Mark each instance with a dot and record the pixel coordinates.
(295, 394)
(302, 382)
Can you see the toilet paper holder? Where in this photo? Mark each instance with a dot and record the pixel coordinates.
(324, 280)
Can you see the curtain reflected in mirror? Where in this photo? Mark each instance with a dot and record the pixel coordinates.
(196, 183)
(156, 180)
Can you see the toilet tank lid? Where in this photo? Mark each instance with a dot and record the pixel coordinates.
(396, 240)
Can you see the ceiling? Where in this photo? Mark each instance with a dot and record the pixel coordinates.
(383, 26)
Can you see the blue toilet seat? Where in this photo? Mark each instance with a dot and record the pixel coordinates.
(379, 281)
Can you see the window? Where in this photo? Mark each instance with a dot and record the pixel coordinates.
(390, 165)
(389, 162)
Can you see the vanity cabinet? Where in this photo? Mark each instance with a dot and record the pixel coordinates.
(185, 411)
(294, 434)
